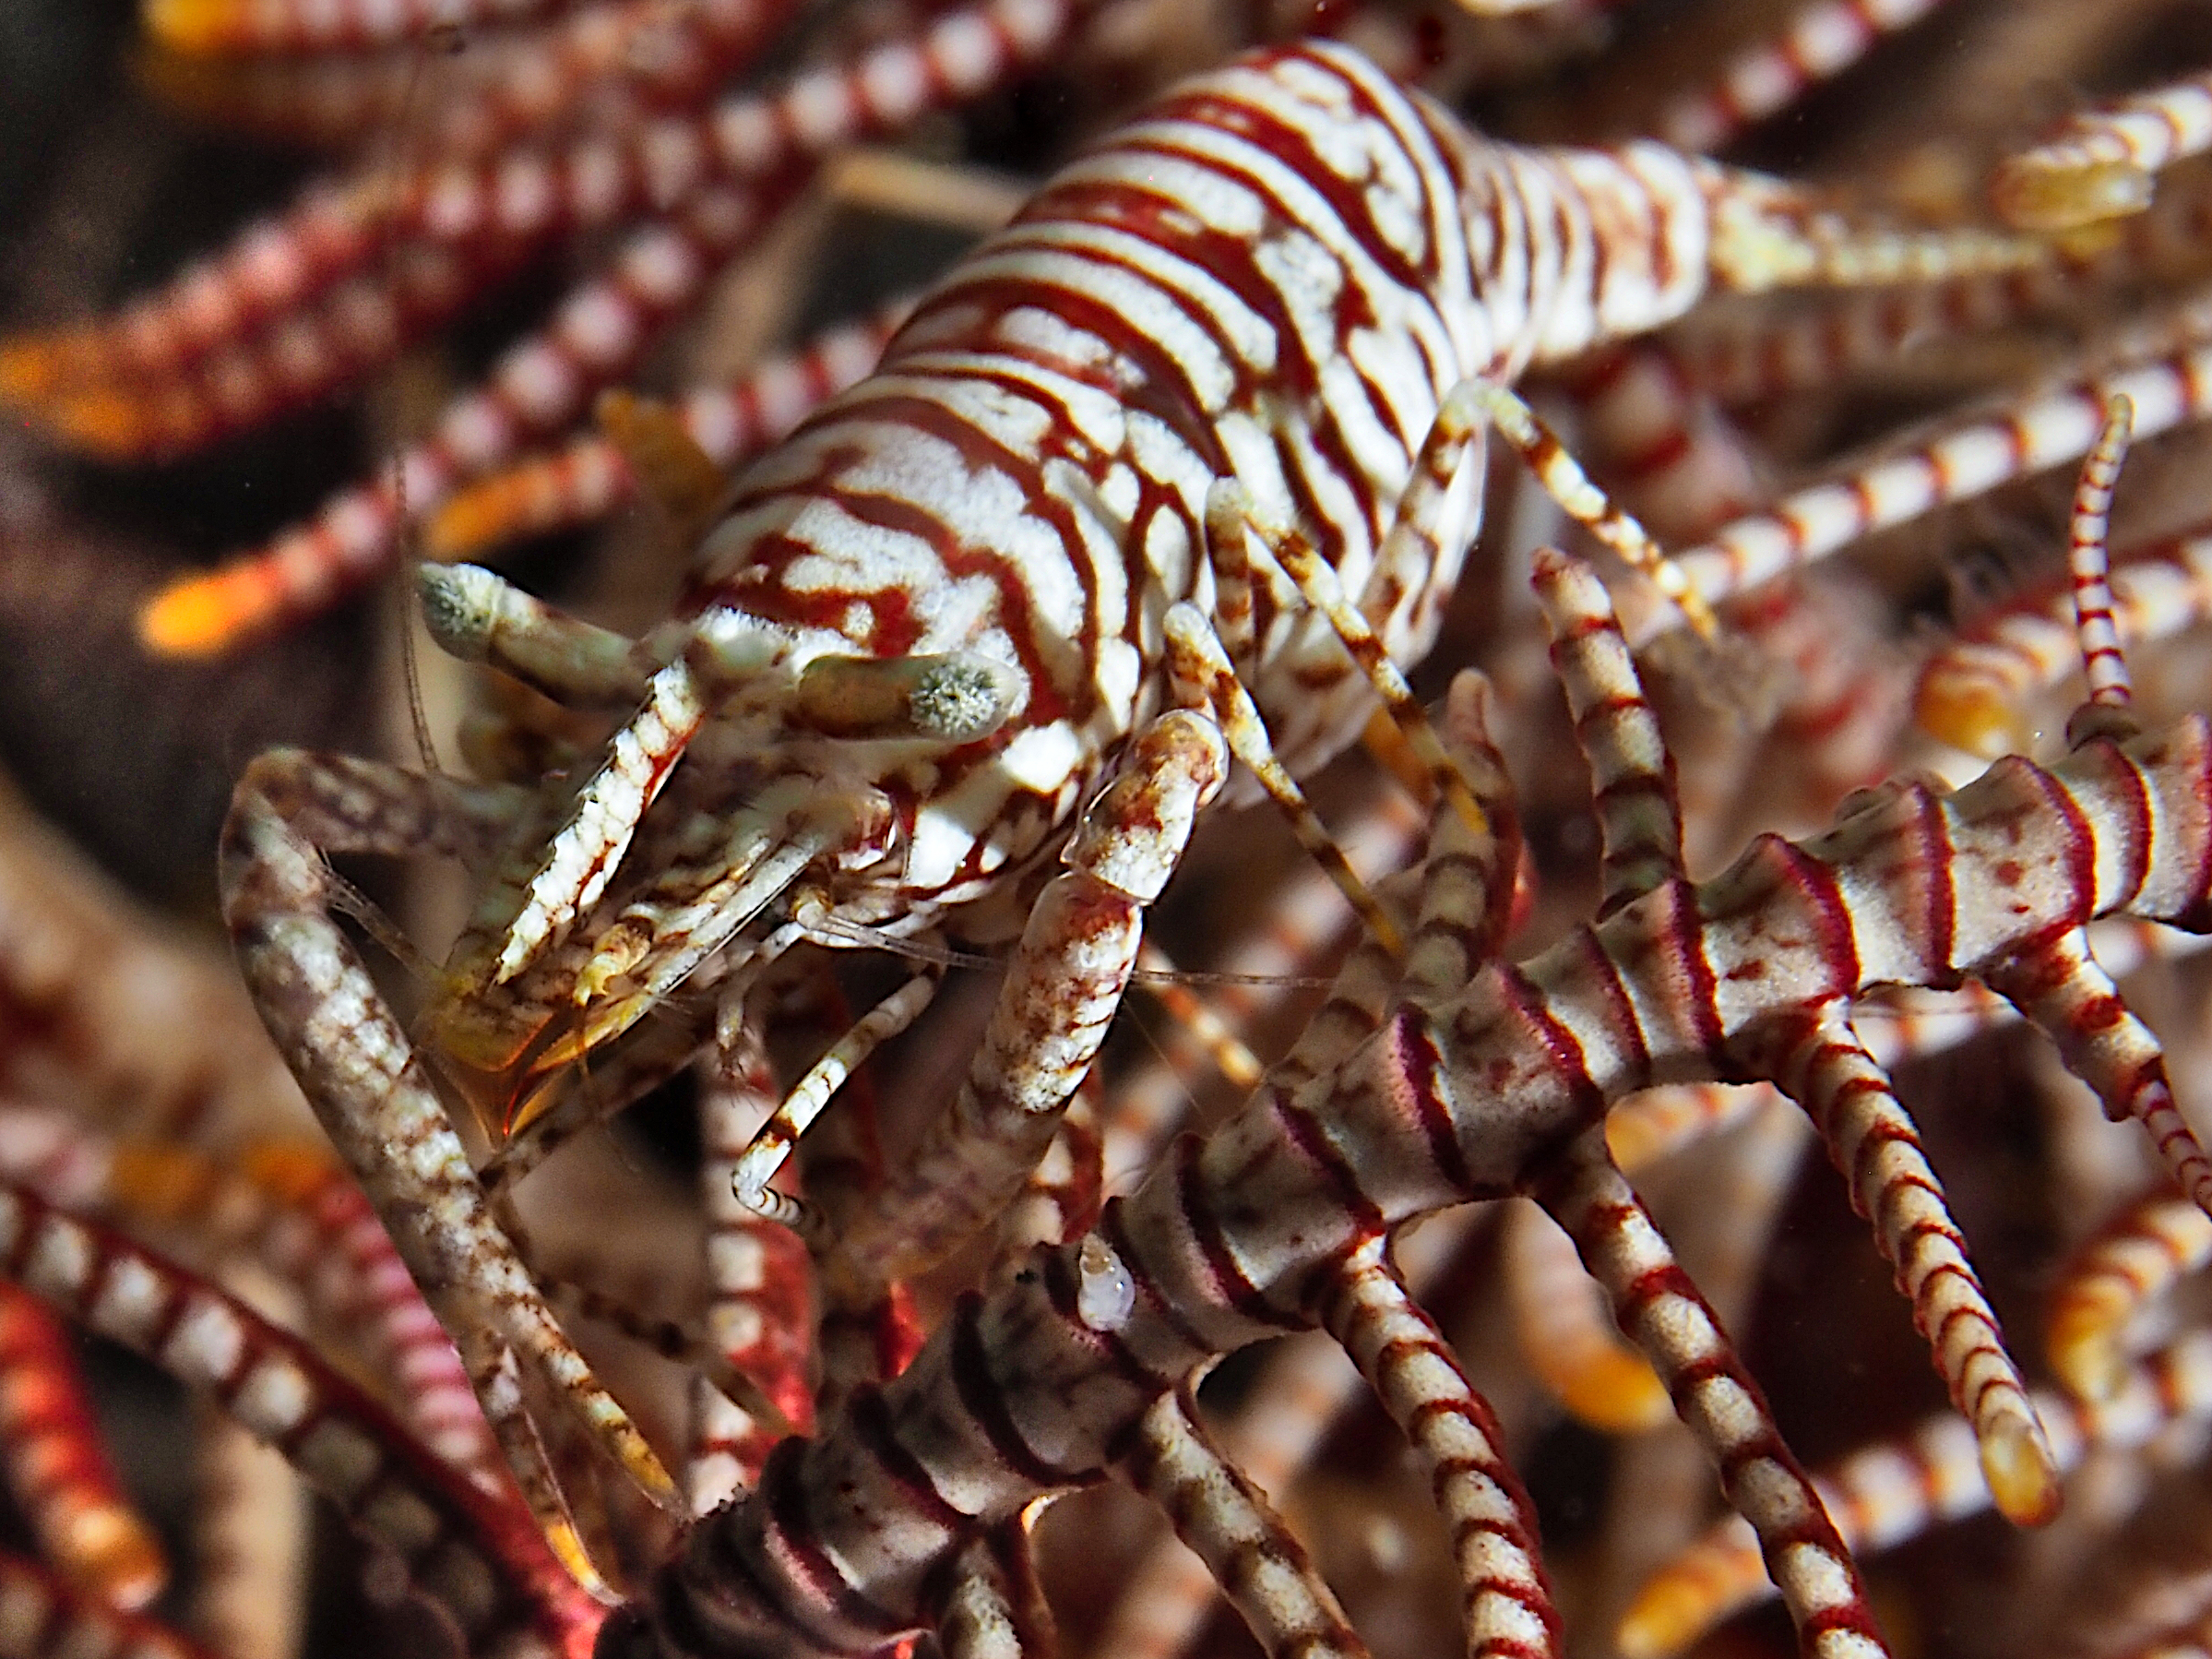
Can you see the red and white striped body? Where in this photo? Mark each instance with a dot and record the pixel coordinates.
(1270, 278)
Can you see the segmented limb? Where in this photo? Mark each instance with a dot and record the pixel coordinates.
(2060, 988)
(360, 1289)
(477, 1556)
(602, 179)
(1566, 1332)
(1316, 582)
(2088, 571)
(2103, 163)
(1506, 1602)
(368, 1088)
(590, 479)
(1820, 1062)
(994, 1608)
(1060, 993)
(1888, 1493)
(58, 1471)
(1226, 1520)
(1968, 459)
(1819, 42)
(1657, 1306)
(1565, 482)
(1205, 677)
(771, 1145)
(1307, 1384)
(757, 1278)
(1975, 693)
(586, 1287)
(1670, 455)
(1632, 775)
(2128, 1261)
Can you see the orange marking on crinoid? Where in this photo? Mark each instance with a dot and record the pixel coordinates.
(205, 614)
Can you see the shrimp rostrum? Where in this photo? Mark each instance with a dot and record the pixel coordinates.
(1176, 467)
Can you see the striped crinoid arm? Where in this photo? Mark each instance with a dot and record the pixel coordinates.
(1965, 459)
(756, 1280)
(475, 1554)
(2129, 1262)
(1230, 1525)
(1822, 1064)
(729, 424)
(57, 1469)
(285, 1206)
(48, 1618)
(604, 178)
(993, 1607)
(1816, 43)
(1669, 1319)
(1506, 1602)
(1976, 692)
(2103, 163)
(1887, 1494)
(301, 305)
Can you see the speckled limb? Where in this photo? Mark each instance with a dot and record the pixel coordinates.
(358, 1069)
(1061, 993)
